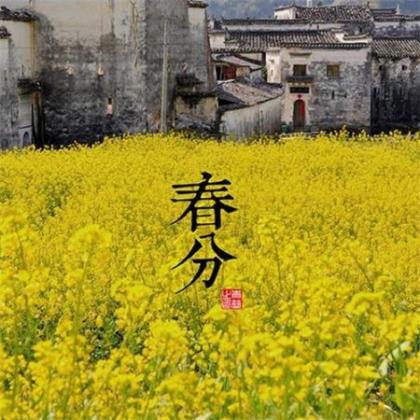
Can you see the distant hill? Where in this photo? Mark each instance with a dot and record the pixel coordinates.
(265, 8)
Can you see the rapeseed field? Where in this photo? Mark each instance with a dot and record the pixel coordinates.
(326, 239)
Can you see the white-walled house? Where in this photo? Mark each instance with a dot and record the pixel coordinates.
(327, 84)
(340, 65)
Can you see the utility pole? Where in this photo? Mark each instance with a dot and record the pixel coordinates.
(165, 77)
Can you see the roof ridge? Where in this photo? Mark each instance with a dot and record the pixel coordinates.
(334, 6)
(395, 38)
(20, 14)
(329, 30)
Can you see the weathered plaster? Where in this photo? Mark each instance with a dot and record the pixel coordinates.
(396, 93)
(262, 118)
(105, 54)
(16, 105)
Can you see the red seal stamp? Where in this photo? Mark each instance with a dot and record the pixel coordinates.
(232, 299)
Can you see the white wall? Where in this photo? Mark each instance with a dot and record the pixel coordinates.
(217, 40)
(273, 64)
(263, 118)
(72, 19)
(200, 48)
(22, 41)
(288, 13)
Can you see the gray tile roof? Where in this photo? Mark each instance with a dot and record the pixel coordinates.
(257, 22)
(329, 14)
(396, 48)
(396, 18)
(236, 61)
(263, 40)
(246, 93)
(21, 15)
(187, 80)
(197, 3)
(326, 14)
(382, 11)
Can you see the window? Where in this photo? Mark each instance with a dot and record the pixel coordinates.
(109, 108)
(333, 71)
(333, 95)
(299, 89)
(404, 67)
(299, 70)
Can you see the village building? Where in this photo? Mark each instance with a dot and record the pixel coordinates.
(326, 79)
(248, 109)
(396, 83)
(84, 70)
(136, 66)
(389, 22)
(353, 19)
(339, 65)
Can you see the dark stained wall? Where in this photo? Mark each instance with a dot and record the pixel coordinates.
(100, 63)
(396, 94)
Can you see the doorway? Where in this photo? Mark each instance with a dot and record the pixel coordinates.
(299, 115)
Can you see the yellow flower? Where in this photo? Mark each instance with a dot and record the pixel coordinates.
(326, 240)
